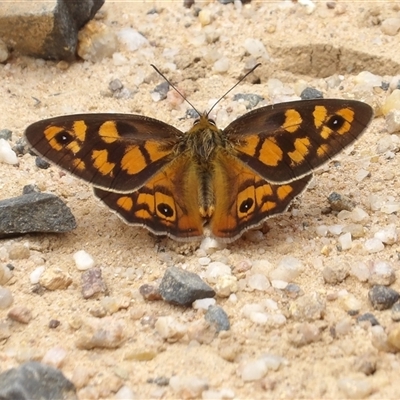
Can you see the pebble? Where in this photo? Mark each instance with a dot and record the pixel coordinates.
(382, 273)
(336, 274)
(393, 121)
(309, 307)
(96, 41)
(54, 323)
(221, 65)
(311, 93)
(392, 102)
(131, 39)
(356, 230)
(6, 297)
(345, 241)
(369, 79)
(18, 251)
(188, 387)
(5, 274)
(182, 287)
(92, 283)
(209, 244)
(55, 279)
(362, 174)
(216, 316)
(355, 388)
(289, 268)
(395, 312)
(83, 260)
(393, 336)
(5, 134)
(34, 380)
(390, 26)
(258, 282)
(350, 303)
(204, 261)
(81, 376)
(20, 314)
(252, 100)
(253, 370)
(169, 328)
(150, 292)
(225, 285)
(205, 17)
(343, 327)
(339, 202)
(215, 270)
(303, 334)
(106, 333)
(373, 245)
(35, 275)
(125, 393)
(368, 317)
(256, 48)
(390, 207)
(160, 92)
(387, 235)
(41, 163)
(335, 229)
(379, 339)
(382, 297)
(55, 357)
(203, 304)
(7, 155)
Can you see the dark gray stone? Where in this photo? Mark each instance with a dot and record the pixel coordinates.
(162, 89)
(311, 93)
(252, 99)
(368, 317)
(339, 202)
(217, 316)
(182, 287)
(35, 381)
(34, 212)
(46, 29)
(382, 297)
(42, 163)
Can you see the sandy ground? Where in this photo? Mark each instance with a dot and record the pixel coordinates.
(302, 47)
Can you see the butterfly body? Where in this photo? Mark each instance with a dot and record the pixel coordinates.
(174, 183)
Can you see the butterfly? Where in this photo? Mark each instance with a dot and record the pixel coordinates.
(207, 179)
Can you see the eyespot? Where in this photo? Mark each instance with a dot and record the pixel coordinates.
(246, 205)
(335, 122)
(63, 138)
(165, 210)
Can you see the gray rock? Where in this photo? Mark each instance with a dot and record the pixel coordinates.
(310, 93)
(382, 297)
(251, 99)
(5, 134)
(45, 29)
(92, 283)
(368, 317)
(183, 287)
(34, 212)
(217, 316)
(339, 202)
(35, 381)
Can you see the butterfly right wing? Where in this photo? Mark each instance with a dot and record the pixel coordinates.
(116, 152)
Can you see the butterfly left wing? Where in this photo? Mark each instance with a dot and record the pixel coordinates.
(168, 204)
(243, 199)
(116, 152)
(286, 141)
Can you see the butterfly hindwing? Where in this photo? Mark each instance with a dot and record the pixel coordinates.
(168, 204)
(286, 141)
(243, 199)
(116, 152)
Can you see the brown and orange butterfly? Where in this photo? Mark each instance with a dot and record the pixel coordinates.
(173, 183)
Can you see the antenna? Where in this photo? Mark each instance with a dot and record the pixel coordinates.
(191, 105)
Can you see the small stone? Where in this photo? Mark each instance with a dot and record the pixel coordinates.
(355, 230)
(35, 275)
(55, 357)
(394, 336)
(358, 215)
(218, 317)
(362, 174)
(106, 333)
(382, 273)
(41, 163)
(390, 207)
(387, 235)
(115, 85)
(345, 241)
(7, 155)
(225, 285)
(18, 251)
(356, 388)
(204, 261)
(160, 91)
(132, 39)
(170, 329)
(150, 292)
(5, 274)
(20, 314)
(55, 279)
(54, 323)
(125, 393)
(256, 48)
(5, 134)
(288, 269)
(252, 100)
(343, 327)
(311, 93)
(373, 245)
(83, 260)
(340, 202)
(203, 304)
(309, 307)
(6, 298)
(392, 102)
(215, 270)
(92, 283)
(304, 334)
(390, 26)
(258, 282)
(182, 287)
(34, 380)
(369, 79)
(335, 274)
(221, 65)
(188, 387)
(395, 312)
(205, 17)
(35, 212)
(393, 121)
(382, 297)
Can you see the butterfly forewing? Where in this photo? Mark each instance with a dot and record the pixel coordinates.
(113, 151)
(286, 141)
